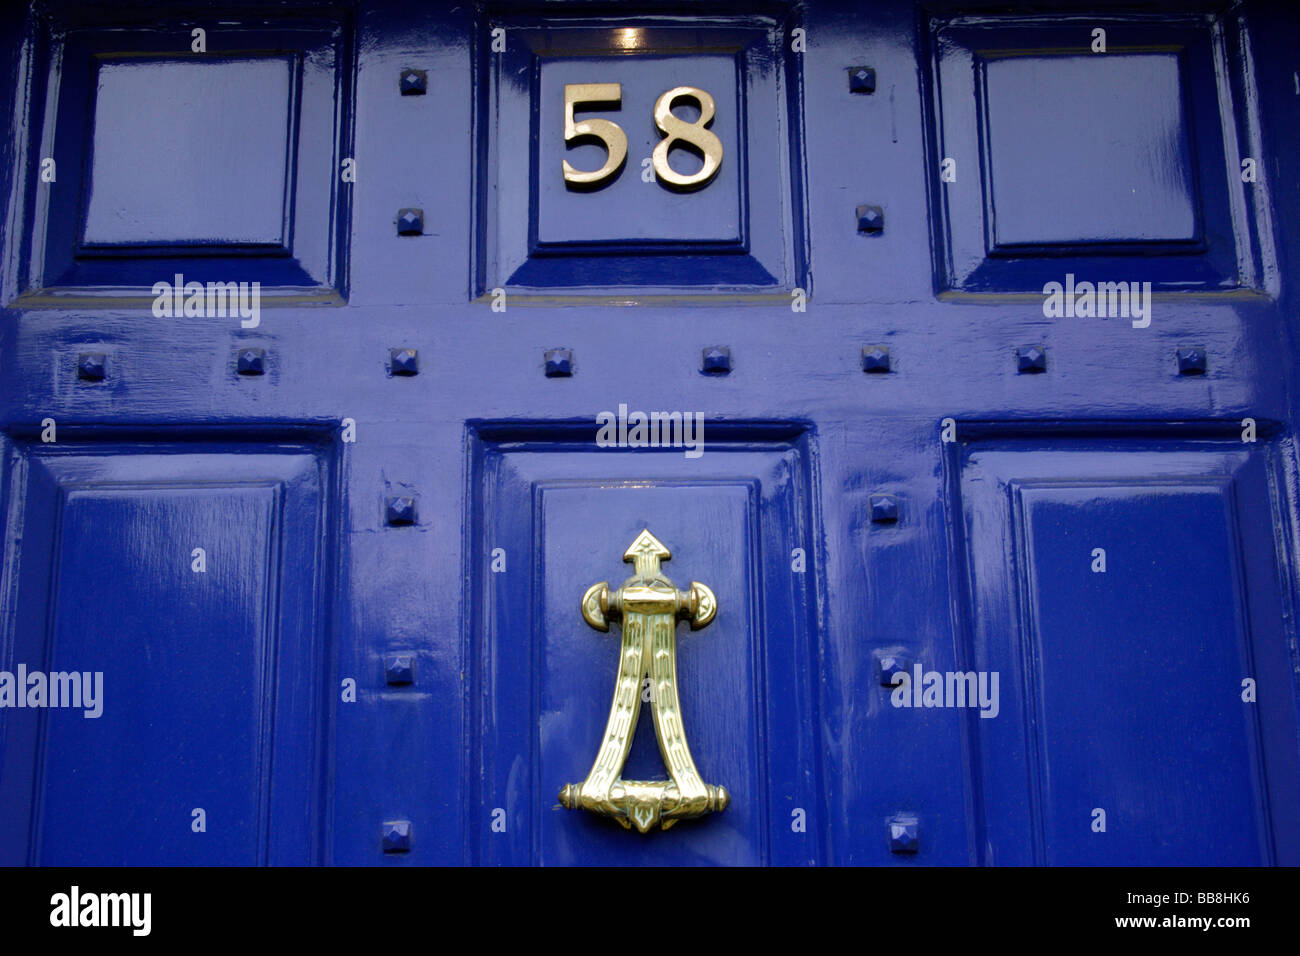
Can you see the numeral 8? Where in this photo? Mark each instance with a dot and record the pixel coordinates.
(694, 134)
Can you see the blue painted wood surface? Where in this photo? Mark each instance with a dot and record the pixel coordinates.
(226, 689)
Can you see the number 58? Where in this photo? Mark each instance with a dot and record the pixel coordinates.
(612, 137)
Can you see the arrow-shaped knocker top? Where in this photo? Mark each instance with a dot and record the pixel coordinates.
(649, 605)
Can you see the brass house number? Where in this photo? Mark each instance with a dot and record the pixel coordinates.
(695, 136)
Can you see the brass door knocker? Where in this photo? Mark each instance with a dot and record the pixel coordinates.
(649, 605)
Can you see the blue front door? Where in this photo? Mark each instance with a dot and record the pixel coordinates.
(918, 380)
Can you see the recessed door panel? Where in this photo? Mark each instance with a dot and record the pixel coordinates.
(563, 520)
(1133, 626)
(180, 590)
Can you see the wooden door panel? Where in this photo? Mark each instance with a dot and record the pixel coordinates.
(1133, 618)
(186, 583)
(557, 519)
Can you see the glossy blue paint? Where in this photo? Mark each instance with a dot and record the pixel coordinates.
(705, 218)
(1132, 667)
(227, 203)
(741, 231)
(183, 579)
(564, 514)
(259, 689)
(171, 161)
(1116, 155)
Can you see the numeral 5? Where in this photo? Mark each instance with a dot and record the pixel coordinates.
(608, 132)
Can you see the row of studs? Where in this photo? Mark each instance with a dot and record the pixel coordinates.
(716, 360)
